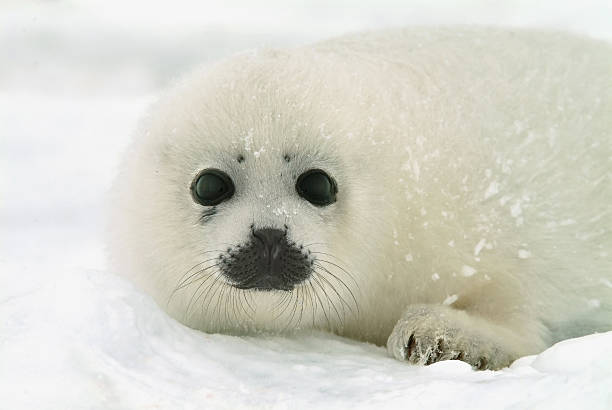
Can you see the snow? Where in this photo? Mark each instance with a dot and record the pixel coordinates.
(88, 339)
(481, 244)
(468, 271)
(450, 300)
(75, 78)
(493, 189)
(524, 254)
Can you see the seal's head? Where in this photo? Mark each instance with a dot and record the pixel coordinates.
(239, 206)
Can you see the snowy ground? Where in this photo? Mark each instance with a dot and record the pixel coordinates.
(74, 78)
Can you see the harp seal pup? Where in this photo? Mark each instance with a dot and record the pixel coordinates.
(441, 191)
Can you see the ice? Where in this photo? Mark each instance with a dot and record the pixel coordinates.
(74, 79)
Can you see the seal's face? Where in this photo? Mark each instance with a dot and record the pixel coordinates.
(266, 259)
(243, 205)
(260, 226)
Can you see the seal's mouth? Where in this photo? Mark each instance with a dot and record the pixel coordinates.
(265, 287)
(268, 262)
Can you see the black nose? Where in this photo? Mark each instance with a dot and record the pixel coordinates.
(267, 261)
(270, 246)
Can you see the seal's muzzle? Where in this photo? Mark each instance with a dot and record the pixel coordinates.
(267, 262)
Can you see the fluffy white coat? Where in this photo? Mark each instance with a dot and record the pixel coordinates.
(473, 167)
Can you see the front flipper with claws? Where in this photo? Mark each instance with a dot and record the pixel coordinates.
(427, 334)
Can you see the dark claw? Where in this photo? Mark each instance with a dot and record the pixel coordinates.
(431, 359)
(410, 346)
(435, 354)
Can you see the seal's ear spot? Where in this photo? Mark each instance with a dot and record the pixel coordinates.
(240, 159)
(317, 187)
(287, 158)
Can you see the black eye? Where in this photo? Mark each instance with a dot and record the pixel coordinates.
(211, 187)
(317, 187)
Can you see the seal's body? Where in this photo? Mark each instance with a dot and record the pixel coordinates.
(444, 191)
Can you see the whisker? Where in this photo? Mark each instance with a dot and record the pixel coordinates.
(237, 303)
(242, 297)
(350, 275)
(185, 282)
(285, 302)
(312, 302)
(196, 292)
(191, 282)
(294, 309)
(195, 266)
(303, 302)
(322, 307)
(247, 299)
(210, 299)
(341, 282)
(226, 289)
(205, 293)
(328, 254)
(329, 301)
(285, 299)
(202, 252)
(342, 300)
(314, 243)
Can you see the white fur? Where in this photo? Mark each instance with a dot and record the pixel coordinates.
(473, 168)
